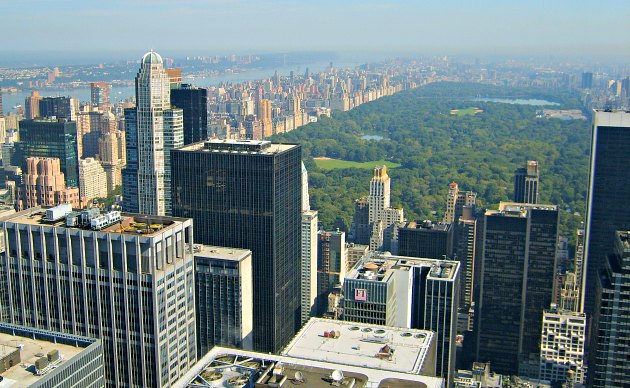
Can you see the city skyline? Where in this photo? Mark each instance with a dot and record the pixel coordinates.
(484, 28)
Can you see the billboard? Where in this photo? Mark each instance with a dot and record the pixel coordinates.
(360, 294)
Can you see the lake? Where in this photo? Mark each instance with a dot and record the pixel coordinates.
(517, 101)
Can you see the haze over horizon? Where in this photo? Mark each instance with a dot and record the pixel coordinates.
(194, 27)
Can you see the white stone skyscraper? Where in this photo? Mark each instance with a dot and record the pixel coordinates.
(308, 279)
(152, 99)
(381, 216)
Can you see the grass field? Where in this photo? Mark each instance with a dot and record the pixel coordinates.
(332, 164)
(466, 112)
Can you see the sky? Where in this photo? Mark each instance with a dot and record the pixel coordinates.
(574, 28)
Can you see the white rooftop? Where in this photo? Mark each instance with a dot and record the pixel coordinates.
(358, 344)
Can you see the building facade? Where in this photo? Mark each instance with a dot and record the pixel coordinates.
(124, 279)
(407, 292)
(223, 290)
(455, 202)
(517, 277)
(44, 185)
(92, 179)
(607, 209)
(610, 349)
(331, 266)
(308, 282)
(194, 102)
(426, 239)
(248, 194)
(526, 183)
(49, 139)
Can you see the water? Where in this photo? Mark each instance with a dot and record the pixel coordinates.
(372, 137)
(118, 93)
(517, 101)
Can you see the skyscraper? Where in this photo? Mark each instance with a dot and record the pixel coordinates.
(223, 289)
(50, 139)
(611, 319)
(31, 105)
(59, 107)
(248, 194)
(124, 279)
(455, 202)
(426, 239)
(152, 130)
(587, 80)
(526, 183)
(99, 94)
(194, 102)
(331, 265)
(517, 277)
(607, 206)
(407, 292)
(381, 216)
(308, 279)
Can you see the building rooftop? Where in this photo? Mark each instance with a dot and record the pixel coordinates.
(222, 253)
(222, 367)
(124, 223)
(516, 209)
(24, 373)
(383, 348)
(427, 225)
(238, 146)
(617, 118)
(380, 267)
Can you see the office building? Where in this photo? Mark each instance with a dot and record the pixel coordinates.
(194, 102)
(360, 228)
(92, 179)
(610, 348)
(45, 138)
(124, 279)
(516, 286)
(354, 253)
(308, 290)
(44, 185)
(587, 80)
(112, 154)
(455, 202)
(58, 107)
(173, 138)
(331, 266)
(31, 105)
(383, 219)
(407, 292)
(248, 194)
(465, 251)
(41, 359)
(562, 347)
(146, 175)
(426, 239)
(526, 183)
(129, 174)
(99, 95)
(90, 127)
(326, 353)
(609, 180)
(223, 298)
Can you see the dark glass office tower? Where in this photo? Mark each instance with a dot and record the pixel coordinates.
(59, 107)
(130, 172)
(608, 364)
(609, 183)
(426, 239)
(516, 285)
(247, 194)
(194, 102)
(526, 183)
(49, 139)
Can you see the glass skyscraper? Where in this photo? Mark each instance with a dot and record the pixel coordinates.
(194, 102)
(48, 138)
(609, 181)
(247, 194)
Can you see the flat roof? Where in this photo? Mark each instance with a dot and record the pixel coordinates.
(358, 345)
(380, 267)
(133, 224)
(617, 118)
(223, 253)
(23, 374)
(220, 365)
(238, 146)
(519, 209)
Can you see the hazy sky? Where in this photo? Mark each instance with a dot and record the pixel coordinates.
(483, 27)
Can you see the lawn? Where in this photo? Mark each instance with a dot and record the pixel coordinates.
(466, 112)
(332, 164)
